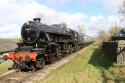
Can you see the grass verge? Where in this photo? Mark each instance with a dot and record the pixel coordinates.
(87, 67)
(4, 66)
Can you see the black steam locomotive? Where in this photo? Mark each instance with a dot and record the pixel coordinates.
(43, 44)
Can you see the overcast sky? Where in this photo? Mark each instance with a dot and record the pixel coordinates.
(94, 15)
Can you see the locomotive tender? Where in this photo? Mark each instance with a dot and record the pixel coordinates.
(43, 44)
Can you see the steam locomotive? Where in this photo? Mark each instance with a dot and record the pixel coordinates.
(44, 44)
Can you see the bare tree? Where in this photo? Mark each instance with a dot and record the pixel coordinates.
(114, 30)
(20, 40)
(122, 9)
(122, 12)
(103, 36)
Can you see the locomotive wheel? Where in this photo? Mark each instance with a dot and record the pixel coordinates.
(40, 63)
(52, 59)
(15, 66)
(58, 54)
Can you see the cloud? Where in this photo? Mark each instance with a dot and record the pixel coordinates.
(59, 3)
(72, 20)
(14, 13)
(113, 5)
(96, 19)
(110, 4)
(103, 23)
(11, 30)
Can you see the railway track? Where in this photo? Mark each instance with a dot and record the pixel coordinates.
(13, 76)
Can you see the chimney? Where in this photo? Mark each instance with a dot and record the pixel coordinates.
(37, 19)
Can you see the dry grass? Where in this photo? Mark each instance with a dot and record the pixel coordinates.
(7, 44)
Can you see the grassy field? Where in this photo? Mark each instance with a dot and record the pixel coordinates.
(88, 67)
(7, 44)
(4, 66)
